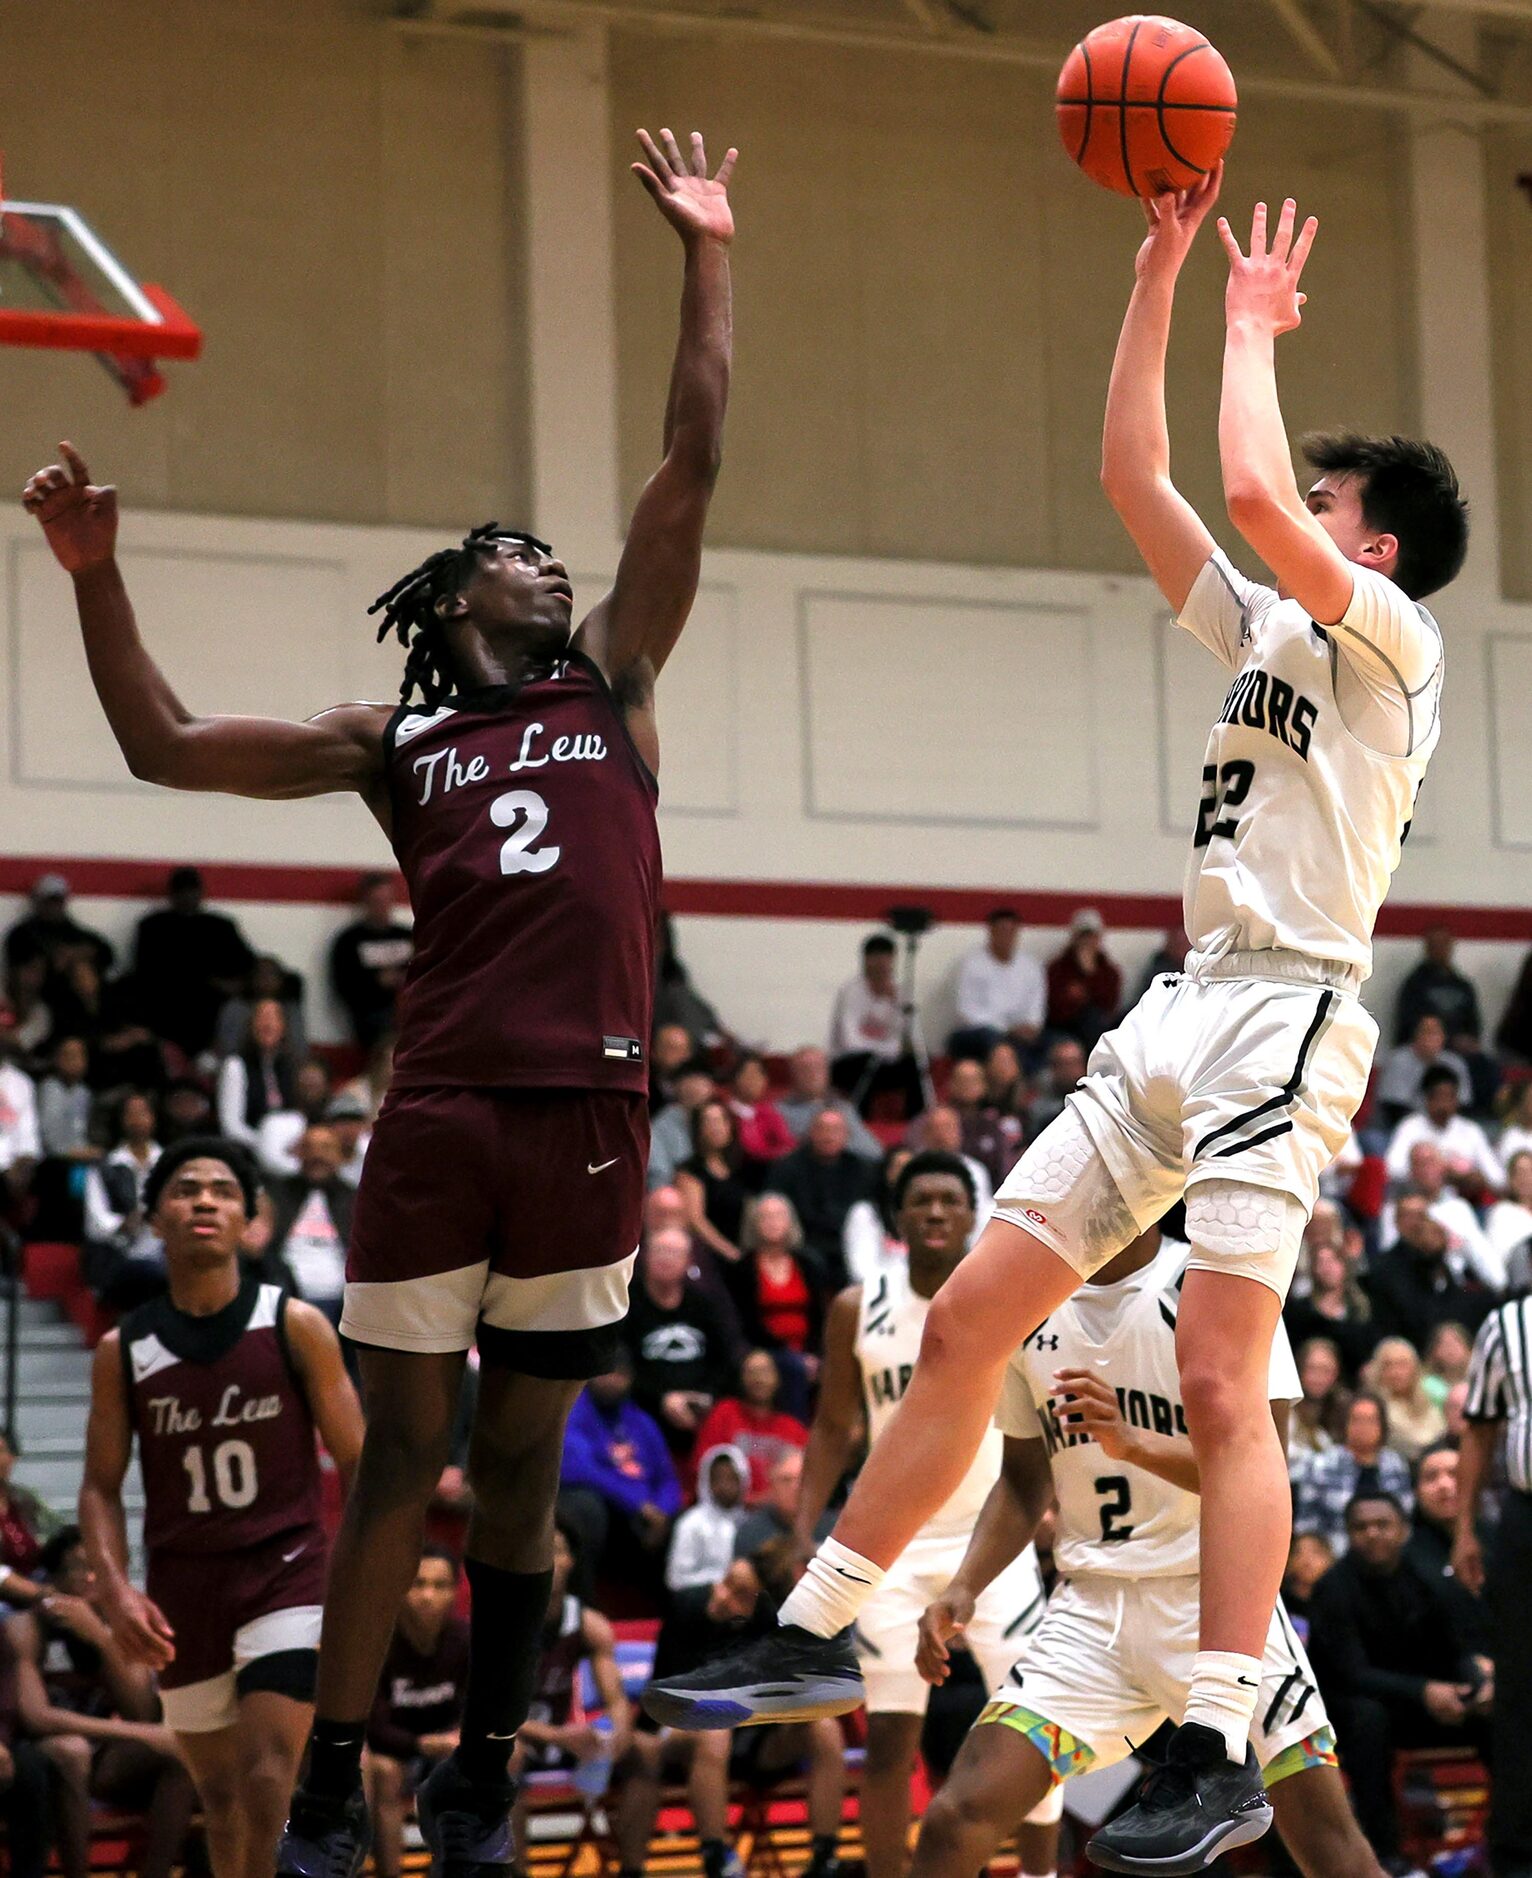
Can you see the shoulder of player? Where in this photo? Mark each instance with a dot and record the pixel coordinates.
(106, 1361)
(307, 1328)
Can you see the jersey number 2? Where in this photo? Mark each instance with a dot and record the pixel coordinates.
(1222, 789)
(234, 1479)
(1112, 1509)
(525, 812)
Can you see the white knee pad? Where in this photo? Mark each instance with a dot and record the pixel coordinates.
(1061, 1192)
(1254, 1232)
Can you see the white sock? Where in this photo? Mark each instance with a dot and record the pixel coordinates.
(1222, 1696)
(833, 1588)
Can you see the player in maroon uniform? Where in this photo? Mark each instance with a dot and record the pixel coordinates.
(223, 1383)
(504, 1185)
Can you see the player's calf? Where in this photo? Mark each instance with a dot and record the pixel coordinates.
(999, 1774)
(1318, 1827)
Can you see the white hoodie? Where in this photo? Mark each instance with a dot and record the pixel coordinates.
(702, 1545)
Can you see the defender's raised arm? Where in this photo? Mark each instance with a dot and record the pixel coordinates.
(1135, 443)
(161, 739)
(641, 618)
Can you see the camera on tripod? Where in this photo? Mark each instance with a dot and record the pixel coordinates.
(911, 922)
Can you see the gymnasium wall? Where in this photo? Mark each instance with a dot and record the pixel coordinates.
(921, 659)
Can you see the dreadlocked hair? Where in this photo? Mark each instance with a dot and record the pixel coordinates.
(409, 610)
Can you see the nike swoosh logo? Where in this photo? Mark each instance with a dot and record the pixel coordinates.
(288, 1557)
(594, 1167)
(841, 1572)
(1245, 1682)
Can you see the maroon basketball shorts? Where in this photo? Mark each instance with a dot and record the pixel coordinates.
(243, 1621)
(510, 1217)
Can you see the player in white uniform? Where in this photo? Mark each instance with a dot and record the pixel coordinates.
(1234, 1082)
(1091, 1413)
(871, 1344)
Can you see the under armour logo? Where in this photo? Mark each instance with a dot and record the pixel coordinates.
(1046, 1343)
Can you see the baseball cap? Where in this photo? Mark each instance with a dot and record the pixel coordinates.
(51, 887)
(1087, 920)
(345, 1108)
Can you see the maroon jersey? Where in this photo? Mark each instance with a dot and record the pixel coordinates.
(226, 1438)
(524, 823)
(558, 1667)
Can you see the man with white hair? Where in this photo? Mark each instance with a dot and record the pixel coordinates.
(809, 1091)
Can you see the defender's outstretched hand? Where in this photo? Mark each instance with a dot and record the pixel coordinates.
(695, 204)
(78, 517)
(1174, 219)
(1263, 285)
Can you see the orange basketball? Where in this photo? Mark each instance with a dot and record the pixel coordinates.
(1145, 104)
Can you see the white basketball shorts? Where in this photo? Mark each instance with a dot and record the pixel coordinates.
(1112, 1659)
(1251, 1074)
(887, 1629)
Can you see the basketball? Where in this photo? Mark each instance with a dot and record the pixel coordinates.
(1145, 104)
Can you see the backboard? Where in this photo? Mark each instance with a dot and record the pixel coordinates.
(62, 287)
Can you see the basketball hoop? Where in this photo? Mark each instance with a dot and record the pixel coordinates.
(62, 288)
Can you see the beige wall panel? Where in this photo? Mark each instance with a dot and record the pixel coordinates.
(929, 296)
(885, 741)
(1507, 156)
(700, 708)
(1510, 736)
(338, 211)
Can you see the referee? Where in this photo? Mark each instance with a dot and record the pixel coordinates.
(1500, 1394)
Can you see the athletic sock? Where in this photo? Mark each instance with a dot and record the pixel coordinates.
(832, 1590)
(1222, 1697)
(335, 1760)
(505, 1631)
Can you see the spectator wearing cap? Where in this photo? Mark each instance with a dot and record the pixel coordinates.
(311, 1221)
(809, 1090)
(1001, 992)
(187, 961)
(49, 931)
(869, 1053)
(1499, 1412)
(1403, 1069)
(368, 960)
(670, 1134)
(1438, 987)
(1084, 986)
(1471, 1164)
(20, 1140)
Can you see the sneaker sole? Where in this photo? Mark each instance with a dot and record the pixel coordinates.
(723, 1708)
(1223, 1838)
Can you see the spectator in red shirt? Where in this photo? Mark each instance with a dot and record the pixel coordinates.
(1084, 986)
(763, 1131)
(777, 1295)
(751, 1422)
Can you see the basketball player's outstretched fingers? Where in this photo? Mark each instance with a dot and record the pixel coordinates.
(1282, 241)
(1301, 247)
(75, 463)
(659, 166)
(1258, 233)
(726, 168)
(673, 154)
(1232, 248)
(699, 156)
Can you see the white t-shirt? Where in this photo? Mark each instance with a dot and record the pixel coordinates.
(1114, 1517)
(1461, 1141)
(19, 1136)
(1001, 994)
(863, 1021)
(315, 1251)
(1508, 1226)
(1468, 1245)
(1312, 769)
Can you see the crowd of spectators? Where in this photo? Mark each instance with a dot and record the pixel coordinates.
(770, 1185)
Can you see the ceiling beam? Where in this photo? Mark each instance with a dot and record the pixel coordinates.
(1307, 36)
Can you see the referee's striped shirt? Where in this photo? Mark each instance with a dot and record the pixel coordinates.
(1500, 1384)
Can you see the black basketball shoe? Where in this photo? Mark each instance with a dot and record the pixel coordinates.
(324, 1838)
(466, 1827)
(1200, 1803)
(790, 1675)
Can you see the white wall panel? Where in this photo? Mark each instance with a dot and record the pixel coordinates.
(934, 710)
(700, 710)
(1510, 702)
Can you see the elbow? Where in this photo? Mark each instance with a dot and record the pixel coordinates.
(1250, 504)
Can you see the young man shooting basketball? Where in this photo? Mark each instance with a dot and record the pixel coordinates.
(1234, 1083)
(503, 1193)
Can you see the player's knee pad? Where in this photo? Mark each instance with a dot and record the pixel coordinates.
(1253, 1232)
(1061, 1192)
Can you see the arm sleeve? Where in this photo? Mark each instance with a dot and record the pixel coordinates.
(1016, 1413)
(1486, 1373)
(1221, 608)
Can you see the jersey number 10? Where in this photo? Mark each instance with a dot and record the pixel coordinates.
(234, 1480)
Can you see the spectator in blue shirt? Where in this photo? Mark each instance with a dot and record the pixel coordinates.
(618, 1488)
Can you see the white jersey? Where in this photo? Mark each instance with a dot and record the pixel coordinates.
(1312, 769)
(1113, 1517)
(890, 1320)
